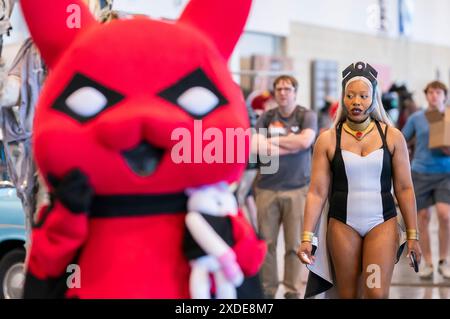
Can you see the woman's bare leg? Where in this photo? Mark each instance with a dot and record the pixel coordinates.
(345, 246)
(380, 247)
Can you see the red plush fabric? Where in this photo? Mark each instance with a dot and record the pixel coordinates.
(137, 59)
(250, 251)
(56, 242)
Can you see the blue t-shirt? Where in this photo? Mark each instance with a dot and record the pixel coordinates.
(425, 160)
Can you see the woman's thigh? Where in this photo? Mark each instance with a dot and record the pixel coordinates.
(380, 248)
(345, 246)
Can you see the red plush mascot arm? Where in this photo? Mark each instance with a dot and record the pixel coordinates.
(54, 25)
(61, 230)
(250, 251)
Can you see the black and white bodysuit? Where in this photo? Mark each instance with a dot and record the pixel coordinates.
(361, 197)
(361, 190)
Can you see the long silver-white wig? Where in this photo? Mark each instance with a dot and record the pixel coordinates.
(378, 112)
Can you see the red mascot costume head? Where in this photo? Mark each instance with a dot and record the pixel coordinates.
(116, 137)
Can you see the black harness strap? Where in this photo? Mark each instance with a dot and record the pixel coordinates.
(137, 205)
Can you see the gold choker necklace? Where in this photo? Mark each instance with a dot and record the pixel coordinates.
(359, 130)
(358, 126)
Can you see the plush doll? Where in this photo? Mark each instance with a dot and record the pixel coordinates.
(116, 138)
(208, 242)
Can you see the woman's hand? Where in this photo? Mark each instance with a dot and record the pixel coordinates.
(413, 245)
(304, 253)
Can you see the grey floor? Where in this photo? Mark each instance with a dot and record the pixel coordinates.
(406, 284)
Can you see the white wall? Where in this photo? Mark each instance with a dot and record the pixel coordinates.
(431, 22)
(431, 17)
(414, 64)
(350, 15)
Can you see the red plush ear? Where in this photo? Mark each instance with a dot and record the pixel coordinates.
(221, 20)
(54, 24)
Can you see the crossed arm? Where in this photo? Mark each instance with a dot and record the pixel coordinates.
(295, 142)
(283, 145)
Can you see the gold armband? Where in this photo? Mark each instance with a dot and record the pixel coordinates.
(307, 236)
(412, 234)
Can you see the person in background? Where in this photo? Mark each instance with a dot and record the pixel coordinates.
(260, 101)
(325, 118)
(431, 177)
(280, 196)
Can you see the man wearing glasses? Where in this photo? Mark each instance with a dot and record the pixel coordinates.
(290, 131)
